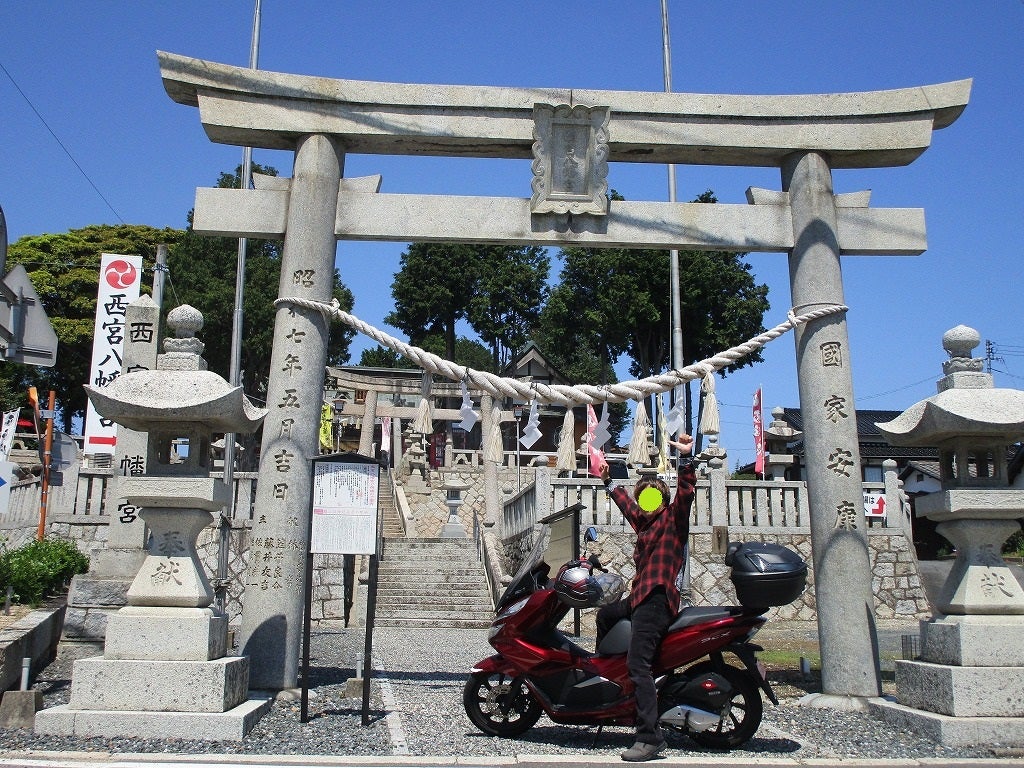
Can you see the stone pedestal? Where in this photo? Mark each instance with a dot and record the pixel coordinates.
(163, 674)
(968, 686)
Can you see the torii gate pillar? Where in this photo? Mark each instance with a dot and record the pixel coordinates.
(842, 567)
(279, 540)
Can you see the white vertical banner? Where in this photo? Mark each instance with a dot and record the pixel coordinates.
(7, 429)
(120, 284)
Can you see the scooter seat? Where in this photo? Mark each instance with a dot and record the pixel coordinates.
(690, 616)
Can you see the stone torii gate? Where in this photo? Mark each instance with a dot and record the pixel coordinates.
(571, 135)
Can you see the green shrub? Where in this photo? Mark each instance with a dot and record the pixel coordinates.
(39, 569)
(1015, 545)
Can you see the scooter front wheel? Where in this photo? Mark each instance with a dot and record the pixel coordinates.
(499, 704)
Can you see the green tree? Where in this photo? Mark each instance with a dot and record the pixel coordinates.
(498, 290)
(64, 270)
(383, 357)
(505, 307)
(433, 290)
(469, 353)
(616, 301)
(579, 329)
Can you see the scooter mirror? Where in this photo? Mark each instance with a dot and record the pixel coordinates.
(590, 534)
(730, 552)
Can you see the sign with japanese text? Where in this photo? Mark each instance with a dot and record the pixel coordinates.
(344, 508)
(120, 284)
(7, 469)
(874, 505)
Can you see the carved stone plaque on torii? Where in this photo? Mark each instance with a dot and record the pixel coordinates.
(570, 136)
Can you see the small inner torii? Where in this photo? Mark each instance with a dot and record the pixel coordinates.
(570, 135)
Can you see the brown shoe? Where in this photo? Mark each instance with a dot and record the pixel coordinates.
(642, 751)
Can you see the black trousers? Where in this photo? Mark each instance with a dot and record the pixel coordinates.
(651, 620)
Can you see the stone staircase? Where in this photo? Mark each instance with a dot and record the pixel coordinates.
(392, 521)
(432, 583)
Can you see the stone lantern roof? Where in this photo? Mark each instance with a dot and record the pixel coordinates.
(180, 391)
(967, 406)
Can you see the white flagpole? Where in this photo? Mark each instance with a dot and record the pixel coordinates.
(677, 323)
(235, 374)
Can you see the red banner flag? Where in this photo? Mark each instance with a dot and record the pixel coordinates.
(758, 435)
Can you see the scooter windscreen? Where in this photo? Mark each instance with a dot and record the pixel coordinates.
(531, 574)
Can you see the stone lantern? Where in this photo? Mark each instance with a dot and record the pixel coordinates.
(164, 670)
(777, 437)
(968, 686)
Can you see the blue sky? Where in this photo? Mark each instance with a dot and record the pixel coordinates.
(89, 68)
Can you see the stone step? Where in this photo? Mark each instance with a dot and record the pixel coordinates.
(433, 569)
(467, 558)
(419, 541)
(432, 609)
(430, 623)
(439, 598)
(432, 582)
(439, 589)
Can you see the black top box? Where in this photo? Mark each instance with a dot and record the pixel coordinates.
(765, 574)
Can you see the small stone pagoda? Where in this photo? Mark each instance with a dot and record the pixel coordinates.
(968, 686)
(164, 672)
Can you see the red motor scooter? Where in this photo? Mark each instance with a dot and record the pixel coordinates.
(539, 670)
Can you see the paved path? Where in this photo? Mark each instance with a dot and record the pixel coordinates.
(65, 760)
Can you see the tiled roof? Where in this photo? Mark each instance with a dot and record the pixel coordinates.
(872, 443)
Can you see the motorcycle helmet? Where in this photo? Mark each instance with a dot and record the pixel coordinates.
(612, 586)
(576, 586)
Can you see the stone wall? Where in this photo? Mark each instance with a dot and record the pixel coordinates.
(899, 593)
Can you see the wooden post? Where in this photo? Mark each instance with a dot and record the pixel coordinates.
(47, 454)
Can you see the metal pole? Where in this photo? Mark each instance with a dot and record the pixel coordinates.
(677, 315)
(677, 321)
(159, 275)
(3, 243)
(235, 373)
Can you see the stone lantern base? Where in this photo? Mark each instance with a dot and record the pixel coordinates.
(968, 686)
(163, 674)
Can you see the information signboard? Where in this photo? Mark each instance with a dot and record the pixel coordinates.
(344, 507)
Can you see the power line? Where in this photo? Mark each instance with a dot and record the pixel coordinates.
(60, 143)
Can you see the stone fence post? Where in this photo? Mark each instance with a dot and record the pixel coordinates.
(719, 496)
(894, 507)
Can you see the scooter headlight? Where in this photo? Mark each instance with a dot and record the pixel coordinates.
(499, 621)
(513, 609)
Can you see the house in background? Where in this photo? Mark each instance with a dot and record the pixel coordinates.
(918, 467)
(874, 450)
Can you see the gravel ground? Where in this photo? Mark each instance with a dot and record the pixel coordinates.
(416, 709)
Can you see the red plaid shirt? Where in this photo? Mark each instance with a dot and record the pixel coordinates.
(660, 538)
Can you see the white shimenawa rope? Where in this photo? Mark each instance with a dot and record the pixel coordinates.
(562, 394)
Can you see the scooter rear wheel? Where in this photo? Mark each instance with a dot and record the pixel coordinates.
(743, 714)
(499, 704)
